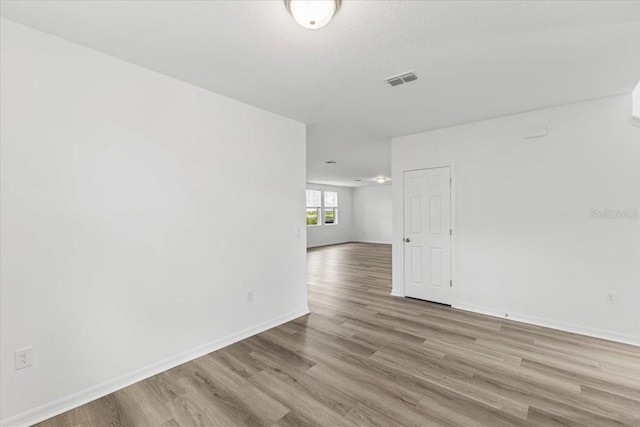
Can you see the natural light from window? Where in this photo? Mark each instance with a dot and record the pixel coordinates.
(314, 206)
(330, 207)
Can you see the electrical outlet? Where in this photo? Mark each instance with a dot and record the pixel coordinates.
(611, 298)
(24, 357)
(250, 295)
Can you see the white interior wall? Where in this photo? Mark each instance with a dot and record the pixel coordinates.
(372, 214)
(333, 234)
(525, 240)
(132, 222)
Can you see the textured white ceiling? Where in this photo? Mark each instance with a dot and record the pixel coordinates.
(474, 60)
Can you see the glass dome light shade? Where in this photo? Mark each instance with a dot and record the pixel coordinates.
(313, 14)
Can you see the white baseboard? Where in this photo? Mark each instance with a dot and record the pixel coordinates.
(396, 293)
(320, 245)
(567, 327)
(377, 242)
(67, 403)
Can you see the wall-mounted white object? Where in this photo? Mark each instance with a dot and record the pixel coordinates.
(24, 358)
(535, 131)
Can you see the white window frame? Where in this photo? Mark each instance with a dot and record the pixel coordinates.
(317, 208)
(333, 208)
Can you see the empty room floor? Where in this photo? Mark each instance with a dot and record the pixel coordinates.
(365, 358)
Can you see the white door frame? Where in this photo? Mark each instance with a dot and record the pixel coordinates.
(454, 239)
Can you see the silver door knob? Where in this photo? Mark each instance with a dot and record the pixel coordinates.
(406, 239)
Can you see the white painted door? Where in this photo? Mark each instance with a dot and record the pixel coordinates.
(427, 234)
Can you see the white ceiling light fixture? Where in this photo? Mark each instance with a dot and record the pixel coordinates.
(381, 179)
(313, 14)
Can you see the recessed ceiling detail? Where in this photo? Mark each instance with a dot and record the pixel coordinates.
(330, 162)
(400, 79)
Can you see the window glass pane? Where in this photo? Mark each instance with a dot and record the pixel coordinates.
(314, 198)
(331, 216)
(330, 199)
(313, 216)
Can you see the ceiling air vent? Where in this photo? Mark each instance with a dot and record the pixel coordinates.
(407, 77)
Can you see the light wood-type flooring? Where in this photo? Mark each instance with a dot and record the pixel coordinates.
(364, 358)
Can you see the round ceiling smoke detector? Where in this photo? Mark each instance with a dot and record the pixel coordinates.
(312, 14)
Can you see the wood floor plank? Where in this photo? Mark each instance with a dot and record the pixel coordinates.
(75, 418)
(404, 413)
(295, 419)
(106, 411)
(141, 406)
(221, 398)
(285, 391)
(365, 416)
(364, 358)
(250, 399)
(186, 412)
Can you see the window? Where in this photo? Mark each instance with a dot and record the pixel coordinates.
(330, 207)
(314, 205)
